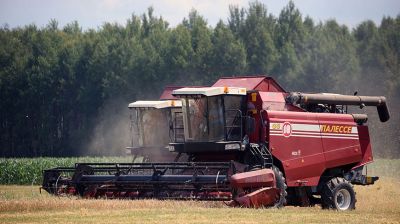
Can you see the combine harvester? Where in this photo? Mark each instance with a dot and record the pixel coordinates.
(251, 143)
(154, 124)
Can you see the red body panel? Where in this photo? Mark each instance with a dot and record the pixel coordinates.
(295, 140)
(261, 83)
(262, 197)
(276, 101)
(365, 146)
(308, 143)
(254, 106)
(340, 139)
(167, 93)
(253, 179)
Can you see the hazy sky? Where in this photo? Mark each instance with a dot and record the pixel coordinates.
(92, 13)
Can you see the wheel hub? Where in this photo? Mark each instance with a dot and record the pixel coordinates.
(343, 199)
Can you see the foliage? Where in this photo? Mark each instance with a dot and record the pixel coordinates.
(54, 82)
(29, 170)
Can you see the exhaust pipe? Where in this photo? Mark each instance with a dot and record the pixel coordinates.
(337, 99)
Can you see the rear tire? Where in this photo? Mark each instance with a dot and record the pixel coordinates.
(338, 193)
(280, 184)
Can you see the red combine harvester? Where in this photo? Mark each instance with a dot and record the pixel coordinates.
(251, 143)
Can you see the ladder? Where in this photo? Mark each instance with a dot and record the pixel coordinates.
(179, 135)
(262, 154)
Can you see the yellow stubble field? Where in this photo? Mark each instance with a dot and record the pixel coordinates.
(379, 203)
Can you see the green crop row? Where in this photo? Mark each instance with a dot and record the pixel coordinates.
(29, 170)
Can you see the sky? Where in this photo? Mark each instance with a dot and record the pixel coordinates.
(93, 13)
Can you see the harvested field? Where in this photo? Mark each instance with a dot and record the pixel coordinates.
(379, 203)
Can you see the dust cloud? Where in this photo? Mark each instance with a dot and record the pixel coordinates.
(111, 133)
(385, 137)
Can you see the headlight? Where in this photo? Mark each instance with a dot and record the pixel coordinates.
(232, 146)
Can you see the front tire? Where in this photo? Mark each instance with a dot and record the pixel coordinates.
(338, 193)
(280, 184)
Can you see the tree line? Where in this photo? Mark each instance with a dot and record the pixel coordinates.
(54, 81)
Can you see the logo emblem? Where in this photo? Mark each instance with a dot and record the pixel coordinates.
(286, 129)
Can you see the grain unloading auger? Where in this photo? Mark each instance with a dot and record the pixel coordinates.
(253, 146)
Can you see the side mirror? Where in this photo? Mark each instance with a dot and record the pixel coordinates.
(250, 125)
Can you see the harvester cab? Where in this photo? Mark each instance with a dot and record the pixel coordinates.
(153, 125)
(228, 120)
(214, 117)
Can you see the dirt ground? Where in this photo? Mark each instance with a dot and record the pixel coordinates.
(379, 203)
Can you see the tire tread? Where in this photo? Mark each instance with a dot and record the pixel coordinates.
(329, 189)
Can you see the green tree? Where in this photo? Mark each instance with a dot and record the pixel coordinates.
(56, 82)
(390, 44)
(333, 62)
(179, 55)
(201, 45)
(290, 41)
(229, 54)
(262, 55)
